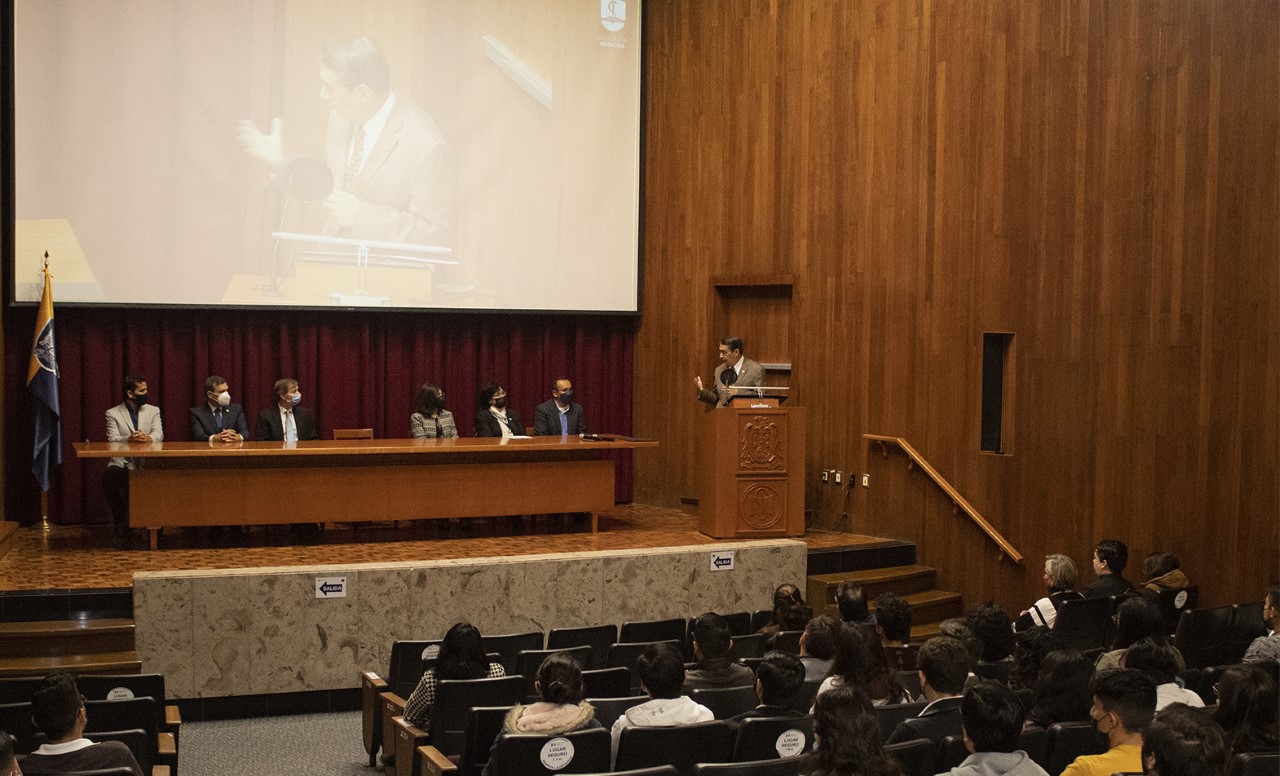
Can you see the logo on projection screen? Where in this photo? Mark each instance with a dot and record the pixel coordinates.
(613, 14)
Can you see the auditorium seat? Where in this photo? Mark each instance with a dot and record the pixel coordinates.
(135, 739)
(787, 767)
(917, 757)
(1084, 623)
(1246, 625)
(682, 746)
(751, 662)
(951, 753)
(1173, 602)
(526, 755)
(15, 719)
(649, 631)
(1069, 740)
(626, 654)
(529, 660)
(910, 681)
(788, 641)
(483, 725)
(353, 433)
(609, 709)
(661, 770)
(1255, 764)
(760, 619)
(115, 686)
(751, 645)
(598, 637)
(510, 645)
(130, 714)
(18, 689)
(739, 623)
(891, 714)
(607, 682)
(1034, 740)
(1202, 634)
(456, 697)
(765, 738)
(807, 694)
(726, 702)
(996, 672)
(403, 674)
(902, 658)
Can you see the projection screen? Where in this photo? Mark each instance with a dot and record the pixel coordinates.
(437, 154)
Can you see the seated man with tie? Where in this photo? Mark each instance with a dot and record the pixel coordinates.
(218, 420)
(285, 421)
(735, 370)
(559, 415)
(135, 421)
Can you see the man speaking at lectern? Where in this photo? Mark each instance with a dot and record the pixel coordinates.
(735, 371)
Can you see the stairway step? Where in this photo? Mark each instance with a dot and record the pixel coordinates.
(925, 631)
(897, 579)
(60, 638)
(126, 662)
(932, 606)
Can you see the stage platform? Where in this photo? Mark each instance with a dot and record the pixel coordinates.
(83, 557)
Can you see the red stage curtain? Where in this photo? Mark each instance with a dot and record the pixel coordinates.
(355, 370)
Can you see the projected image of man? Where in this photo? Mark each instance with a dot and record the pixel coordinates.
(392, 173)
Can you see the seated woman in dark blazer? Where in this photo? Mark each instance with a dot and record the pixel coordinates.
(430, 420)
(494, 418)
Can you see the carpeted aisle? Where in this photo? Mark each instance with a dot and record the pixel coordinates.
(299, 745)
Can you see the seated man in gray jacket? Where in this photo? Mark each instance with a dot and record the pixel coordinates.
(991, 720)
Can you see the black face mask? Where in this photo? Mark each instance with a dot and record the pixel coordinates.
(140, 399)
(440, 404)
(500, 403)
(566, 397)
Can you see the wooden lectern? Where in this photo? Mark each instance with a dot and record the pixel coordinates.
(752, 462)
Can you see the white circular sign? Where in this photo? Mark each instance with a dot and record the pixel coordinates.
(119, 694)
(1180, 600)
(556, 754)
(790, 743)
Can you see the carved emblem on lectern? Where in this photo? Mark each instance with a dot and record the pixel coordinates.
(761, 444)
(760, 506)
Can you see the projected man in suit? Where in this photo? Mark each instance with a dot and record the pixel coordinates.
(559, 415)
(735, 370)
(133, 420)
(285, 421)
(218, 420)
(392, 171)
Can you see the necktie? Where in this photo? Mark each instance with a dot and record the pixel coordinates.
(290, 430)
(564, 423)
(217, 419)
(356, 160)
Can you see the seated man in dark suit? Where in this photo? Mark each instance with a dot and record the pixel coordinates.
(777, 681)
(944, 665)
(559, 415)
(57, 709)
(285, 421)
(1109, 559)
(711, 645)
(218, 420)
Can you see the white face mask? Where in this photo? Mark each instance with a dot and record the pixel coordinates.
(223, 399)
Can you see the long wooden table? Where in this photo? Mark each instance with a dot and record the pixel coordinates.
(352, 480)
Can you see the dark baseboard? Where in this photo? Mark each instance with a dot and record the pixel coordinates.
(269, 705)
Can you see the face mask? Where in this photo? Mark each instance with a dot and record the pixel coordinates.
(223, 399)
(140, 399)
(296, 399)
(500, 403)
(566, 397)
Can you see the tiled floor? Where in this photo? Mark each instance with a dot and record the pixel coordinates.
(83, 557)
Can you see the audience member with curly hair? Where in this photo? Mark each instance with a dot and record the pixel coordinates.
(846, 737)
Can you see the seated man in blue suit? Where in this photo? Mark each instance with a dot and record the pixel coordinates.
(559, 415)
(218, 420)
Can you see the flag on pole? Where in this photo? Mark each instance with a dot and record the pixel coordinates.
(42, 381)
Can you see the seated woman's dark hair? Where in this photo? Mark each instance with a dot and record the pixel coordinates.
(860, 663)
(428, 403)
(560, 679)
(1031, 646)
(1156, 659)
(1247, 709)
(994, 629)
(462, 654)
(848, 737)
(786, 593)
(1136, 619)
(486, 393)
(1062, 690)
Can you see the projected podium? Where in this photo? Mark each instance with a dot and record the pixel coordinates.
(752, 459)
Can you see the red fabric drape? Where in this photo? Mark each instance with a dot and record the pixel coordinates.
(355, 370)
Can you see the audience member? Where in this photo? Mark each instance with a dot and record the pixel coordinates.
(944, 666)
(991, 720)
(1030, 648)
(494, 418)
(661, 677)
(958, 628)
(1137, 618)
(1247, 709)
(711, 645)
(8, 760)
(1124, 701)
(859, 662)
(778, 680)
(1158, 660)
(846, 738)
(560, 708)
(1063, 689)
(1163, 573)
(57, 711)
(133, 420)
(1267, 647)
(461, 656)
(559, 415)
(818, 646)
(1184, 741)
(994, 629)
(430, 418)
(852, 602)
(1060, 578)
(893, 624)
(789, 612)
(1109, 559)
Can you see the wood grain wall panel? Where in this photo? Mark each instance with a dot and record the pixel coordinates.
(1099, 179)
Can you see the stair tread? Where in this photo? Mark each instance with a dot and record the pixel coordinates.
(123, 662)
(868, 576)
(926, 597)
(53, 628)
